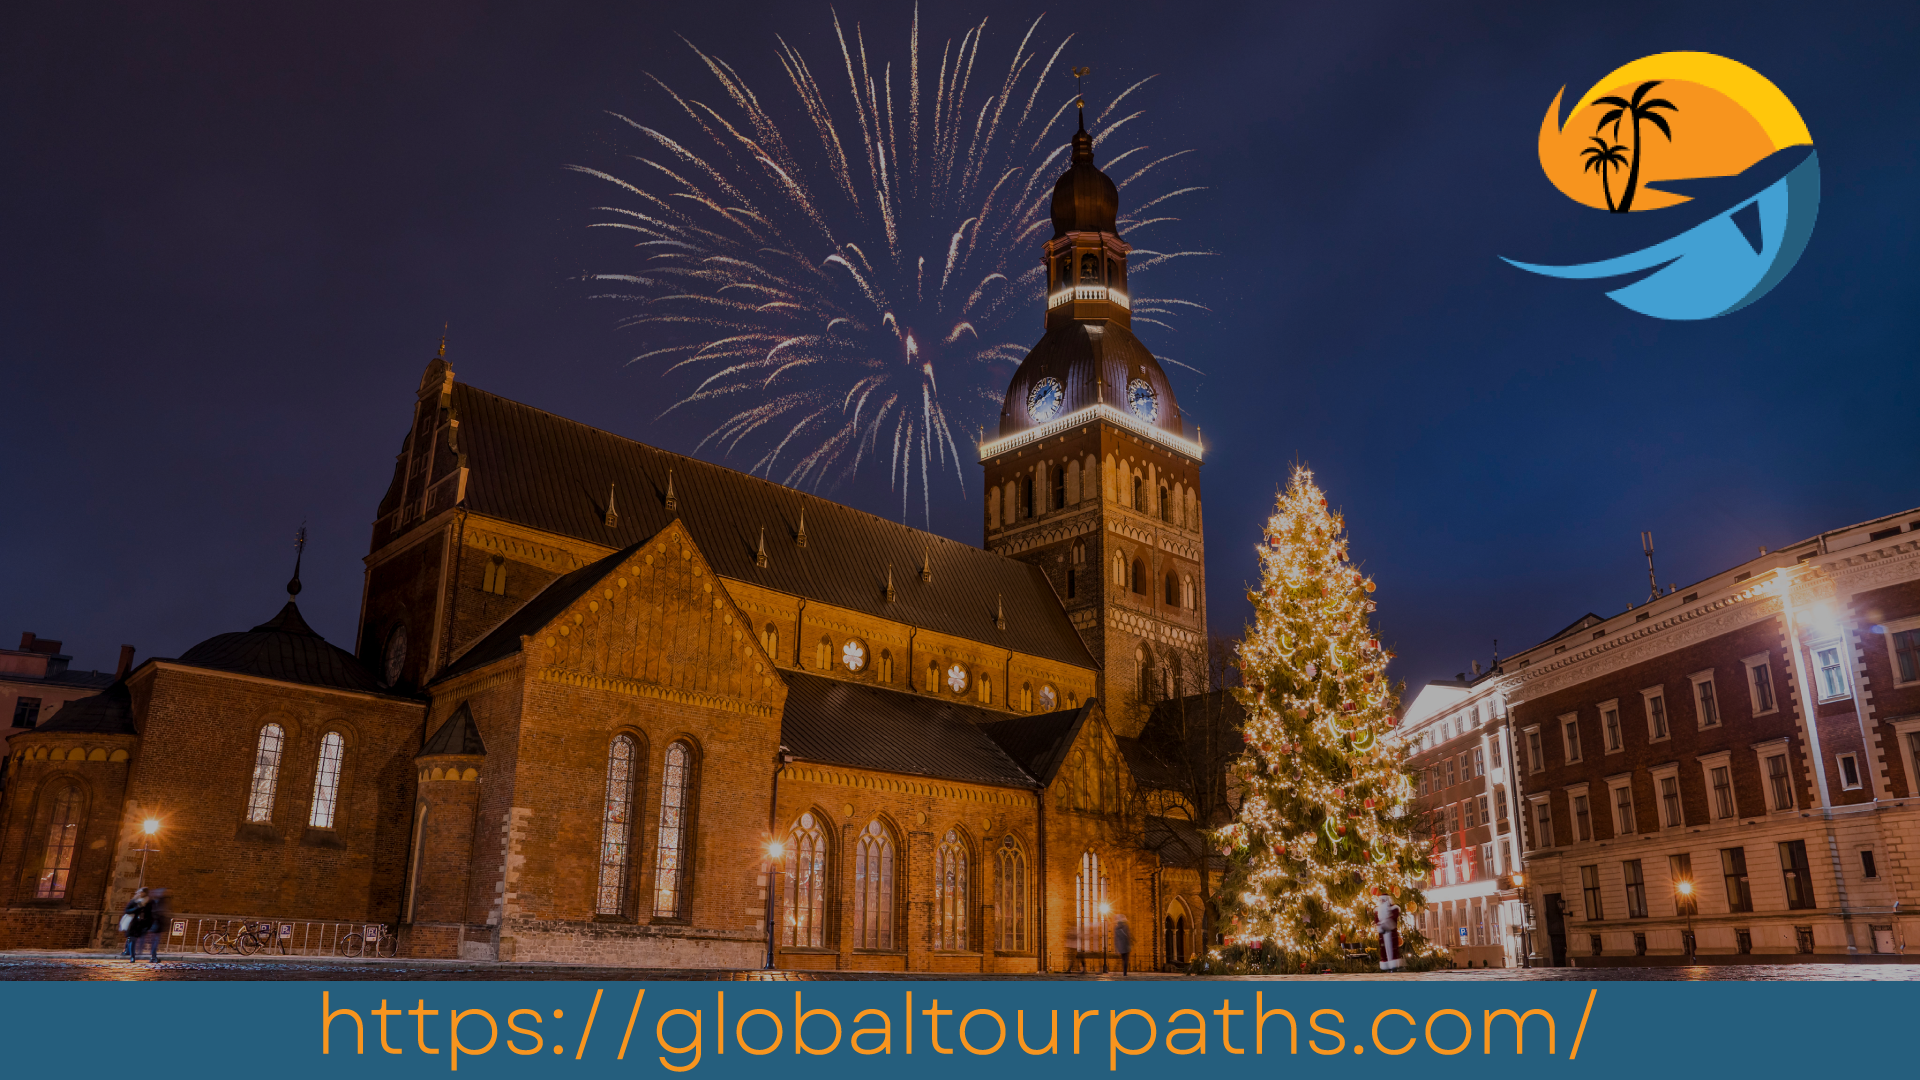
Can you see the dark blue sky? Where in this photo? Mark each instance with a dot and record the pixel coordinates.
(232, 233)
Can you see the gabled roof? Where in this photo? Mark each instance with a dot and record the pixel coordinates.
(106, 713)
(1039, 743)
(286, 649)
(1178, 843)
(504, 640)
(867, 727)
(456, 736)
(543, 471)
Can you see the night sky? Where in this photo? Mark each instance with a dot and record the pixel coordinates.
(233, 232)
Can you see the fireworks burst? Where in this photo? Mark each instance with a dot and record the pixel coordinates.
(820, 271)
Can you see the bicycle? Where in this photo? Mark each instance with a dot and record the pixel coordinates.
(246, 939)
(386, 945)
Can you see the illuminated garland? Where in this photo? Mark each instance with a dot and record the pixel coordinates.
(1326, 819)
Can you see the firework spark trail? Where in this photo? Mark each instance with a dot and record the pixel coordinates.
(823, 287)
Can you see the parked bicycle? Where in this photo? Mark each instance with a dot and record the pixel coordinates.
(245, 938)
(385, 943)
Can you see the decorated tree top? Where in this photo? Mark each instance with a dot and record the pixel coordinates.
(1325, 824)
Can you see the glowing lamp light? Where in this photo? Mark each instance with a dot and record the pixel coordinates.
(1519, 879)
(150, 826)
(1685, 888)
(1106, 909)
(775, 849)
(1819, 620)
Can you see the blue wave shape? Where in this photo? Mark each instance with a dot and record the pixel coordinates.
(1711, 267)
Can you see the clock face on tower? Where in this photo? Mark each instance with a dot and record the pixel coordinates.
(1043, 401)
(1141, 399)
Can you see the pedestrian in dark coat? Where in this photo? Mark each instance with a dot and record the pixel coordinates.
(1123, 941)
(131, 925)
(159, 913)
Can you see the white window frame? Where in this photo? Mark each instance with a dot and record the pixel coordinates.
(1619, 728)
(1755, 661)
(1719, 708)
(1614, 784)
(1708, 763)
(1579, 791)
(1536, 749)
(1899, 626)
(1859, 780)
(1775, 748)
(1570, 748)
(1839, 646)
(1902, 729)
(1661, 774)
(1542, 838)
(1647, 698)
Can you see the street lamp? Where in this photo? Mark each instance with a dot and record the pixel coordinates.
(148, 829)
(775, 849)
(1106, 909)
(1685, 889)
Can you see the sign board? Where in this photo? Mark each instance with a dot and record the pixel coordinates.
(1463, 935)
(179, 927)
(372, 934)
(286, 930)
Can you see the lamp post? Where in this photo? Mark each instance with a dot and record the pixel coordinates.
(148, 829)
(1685, 889)
(1526, 939)
(775, 849)
(1106, 909)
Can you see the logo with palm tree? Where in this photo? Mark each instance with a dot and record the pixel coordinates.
(1642, 111)
(1603, 157)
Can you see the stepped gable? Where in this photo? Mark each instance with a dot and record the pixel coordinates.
(286, 649)
(866, 727)
(545, 472)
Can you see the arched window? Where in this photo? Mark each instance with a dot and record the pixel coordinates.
(823, 653)
(1026, 496)
(494, 577)
(1089, 269)
(63, 839)
(1139, 495)
(676, 804)
(1165, 513)
(1026, 697)
(1187, 597)
(1140, 673)
(986, 689)
(1063, 271)
(266, 773)
(1173, 590)
(886, 665)
(933, 677)
(805, 903)
(1139, 577)
(1010, 907)
(950, 893)
(1176, 926)
(770, 639)
(326, 780)
(1089, 893)
(873, 889)
(616, 828)
(394, 660)
(1119, 570)
(1056, 487)
(1079, 553)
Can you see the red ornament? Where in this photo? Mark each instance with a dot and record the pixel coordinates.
(1368, 803)
(1339, 793)
(1343, 829)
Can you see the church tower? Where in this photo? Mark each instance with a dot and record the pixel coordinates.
(1092, 475)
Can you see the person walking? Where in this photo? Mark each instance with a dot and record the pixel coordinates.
(1076, 950)
(1123, 941)
(158, 914)
(131, 925)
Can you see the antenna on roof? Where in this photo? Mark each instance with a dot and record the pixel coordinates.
(613, 515)
(299, 549)
(1646, 545)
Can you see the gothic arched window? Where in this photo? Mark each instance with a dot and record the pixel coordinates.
(1173, 590)
(1139, 495)
(805, 902)
(326, 781)
(676, 804)
(1089, 893)
(63, 839)
(770, 639)
(886, 665)
(873, 889)
(1119, 570)
(823, 653)
(1026, 496)
(1166, 514)
(266, 773)
(616, 828)
(1139, 577)
(986, 689)
(1056, 487)
(1011, 897)
(950, 893)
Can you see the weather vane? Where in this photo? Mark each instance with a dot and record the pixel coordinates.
(1080, 73)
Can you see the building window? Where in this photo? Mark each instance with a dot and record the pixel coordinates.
(1867, 867)
(1833, 679)
(1760, 679)
(26, 712)
(669, 858)
(1906, 654)
(770, 638)
(873, 889)
(1793, 866)
(1543, 832)
(1011, 909)
(63, 838)
(957, 679)
(1623, 809)
(1506, 855)
(1703, 697)
(1582, 822)
(1466, 767)
(1680, 870)
(1138, 578)
(1484, 819)
(1056, 487)
(984, 686)
(1570, 734)
(494, 577)
(886, 665)
(1089, 892)
(1026, 496)
(1119, 570)
(326, 781)
(1450, 775)
(853, 656)
(1590, 891)
(1479, 761)
(1849, 772)
(1139, 496)
(1166, 507)
(950, 893)
(823, 653)
(616, 828)
(1722, 792)
(805, 902)
(1670, 802)
(1778, 783)
(1636, 889)
(933, 677)
(266, 773)
(1610, 720)
(1803, 940)
(1473, 818)
(1656, 714)
(1733, 866)
(1176, 928)
(1500, 805)
(1070, 573)
(1536, 761)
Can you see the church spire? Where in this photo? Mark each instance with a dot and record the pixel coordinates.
(299, 549)
(671, 504)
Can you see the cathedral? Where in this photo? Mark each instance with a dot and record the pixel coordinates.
(613, 705)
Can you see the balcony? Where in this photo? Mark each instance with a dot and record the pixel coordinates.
(1089, 292)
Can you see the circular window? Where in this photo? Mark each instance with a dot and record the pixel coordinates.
(957, 678)
(854, 654)
(1044, 400)
(806, 821)
(396, 658)
(1048, 699)
(1142, 400)
(874, 828)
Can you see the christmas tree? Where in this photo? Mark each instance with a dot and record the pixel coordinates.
(1325, 824)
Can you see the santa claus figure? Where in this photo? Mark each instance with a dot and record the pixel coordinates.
(1386, 919)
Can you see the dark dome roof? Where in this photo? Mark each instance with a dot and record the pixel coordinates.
(1080, 355)
(284, 648)
(1084, 199)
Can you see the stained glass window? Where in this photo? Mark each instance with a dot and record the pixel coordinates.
(326, 781)
(1012, 906)
(805, 903)
(266, 773)
(669, 866)
(950, 893)
(63, 835)
(873, 889)
(616, 828)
